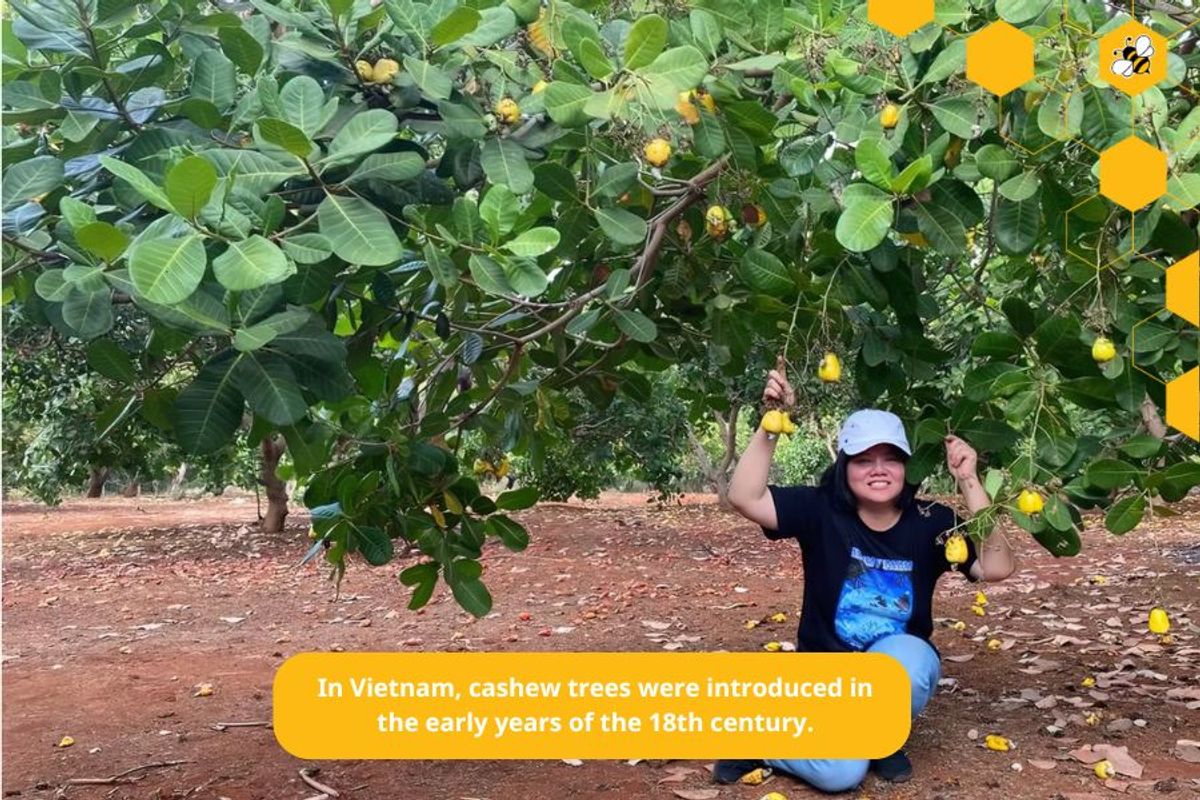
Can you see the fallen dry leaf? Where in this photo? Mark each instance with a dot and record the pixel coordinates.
(1041, 763)
(1187, 750)
(697, 794)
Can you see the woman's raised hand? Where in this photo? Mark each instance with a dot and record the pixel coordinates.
(960, 458)
(778, 389)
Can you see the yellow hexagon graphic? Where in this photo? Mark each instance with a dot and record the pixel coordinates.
(900, 17)
(1183, 288)
(1133, 173)
(1000, 58)
(1133, 58)
(1183, 403)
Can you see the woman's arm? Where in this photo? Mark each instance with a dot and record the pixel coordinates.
(748, 492)
(996, 561)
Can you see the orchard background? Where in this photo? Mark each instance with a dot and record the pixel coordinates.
(419, 268)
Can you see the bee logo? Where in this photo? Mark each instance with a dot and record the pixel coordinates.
(1134, 57)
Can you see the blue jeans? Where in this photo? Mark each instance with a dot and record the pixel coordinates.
(921, 663)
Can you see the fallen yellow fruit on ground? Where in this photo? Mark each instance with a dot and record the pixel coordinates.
(994, 644)
(205, 690)
(66, 741)
(1030, 502)
(959, 625)
(751, 624)
(978, 611)
(998, 743)
(1159, 622)
(980, 599)
(773, 796)
(1104, 769)
(1092, 718)
(779, 617)
(1088, 682)
(773, 647)
(754, 777)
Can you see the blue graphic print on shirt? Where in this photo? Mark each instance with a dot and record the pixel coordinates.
(876, 599)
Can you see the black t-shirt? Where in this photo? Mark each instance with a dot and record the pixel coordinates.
(861, 584)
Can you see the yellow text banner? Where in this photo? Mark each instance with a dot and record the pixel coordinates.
(590, 705)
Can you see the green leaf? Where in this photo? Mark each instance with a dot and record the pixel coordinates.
(270, 387)
(866, 217)
(374, 544)
(525, 276)
(167, 270)
(594, 60)
(308, 248)
(358, 231)
(241, 48)
(645, 41)
(189, 184)
(214, 79)
(488, 275)
(941, 227)
(914, 177)
(285, 135)
(621, 226)
(636, 325)
(410, 19)
(364, 133)
(392, 167)
(441, 265)
(499, 210)
(533, 242)
(1017, 225)
(1142, 445)
(1021, 187)
(103, 240)
(766, 273)
(1018, 11)
(616, 178)
(107, 358)
(51, 286)
(455, 25)
(209, 410)
(1060, 115)
(996, 344)
(433, 82)
(517, 499)
(496, 24)
(303, 104)
(1125, 514)
(683, 67)
(504, 163)
(1109, 473)
(422, 576)
(511, 533)
(873, 162)
(250, 264)
(263, 333)
(565, 102)
(471, 594)
(996, 162)
(89, 313)
(957, 115)
(26, 180)
(137, 179)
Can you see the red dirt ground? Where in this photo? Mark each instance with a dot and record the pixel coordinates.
(113, 614)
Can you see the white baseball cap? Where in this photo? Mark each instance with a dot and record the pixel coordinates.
(864, 429)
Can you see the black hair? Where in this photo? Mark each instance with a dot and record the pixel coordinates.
(834, 480)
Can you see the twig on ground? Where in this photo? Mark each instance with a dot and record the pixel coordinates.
(320, 787)
(115, 778)
(221, 726)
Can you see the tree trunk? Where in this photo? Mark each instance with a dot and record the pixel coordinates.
(95, 487)
(277, 498)
(132, 489)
